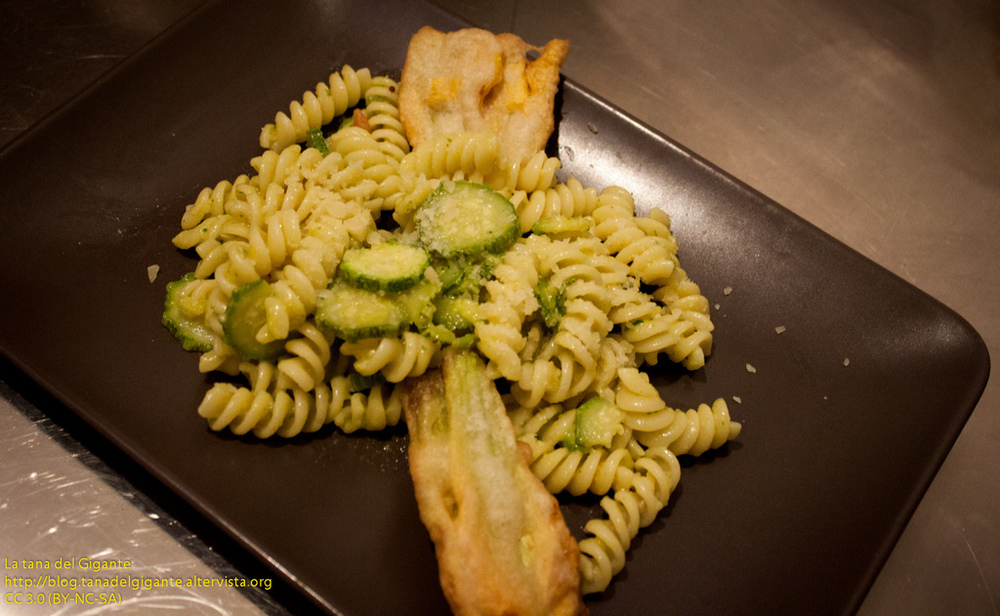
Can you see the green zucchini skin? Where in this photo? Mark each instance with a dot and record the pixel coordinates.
(597, 422)
(551, 302)
(464, 218)
(245, 315)
(384, 268)
(556, 225)
(465, 274)
(192, 335)
(355, 314)
(458, 314)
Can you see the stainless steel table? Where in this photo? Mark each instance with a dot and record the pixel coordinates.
(876, 120)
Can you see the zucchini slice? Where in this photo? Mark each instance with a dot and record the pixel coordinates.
(551, 302)
(555, 225)
(315, 139)
(466, 218)
(598, 421)
(418, 303)
(192, 334)
(465, 274)
(384, 268)
(359, 382)
(355, 314)
(459, 314)
(245, 315)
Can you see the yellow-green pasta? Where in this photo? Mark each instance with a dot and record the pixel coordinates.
(382, 111)
(695, 431)
(536, 173)
(395, 358)
(649, 257)
(292, 302)
(283, 231)
(264, 407)
(572, 470)
(318, 107)
(577, 472)
(470, 156)
(556, 377)
(644, 410)
(209, 203)
(602, 552)
(567, 200)
(221, 358)
(309, 353)
(274, 405)
(509, 300)
(380, 408)
(684, 336)
(281, 167)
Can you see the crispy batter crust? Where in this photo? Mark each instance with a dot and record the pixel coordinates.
(502, 545)
(473, 80)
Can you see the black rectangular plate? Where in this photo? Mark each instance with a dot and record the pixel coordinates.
(847, 415)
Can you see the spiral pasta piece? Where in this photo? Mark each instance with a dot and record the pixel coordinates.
(240, 209)
(603, 551)
(395, 358)
(674, 333)
(380, 408)
(650, 257)
(542, 427)
(222, 358)
(574, 347)
(210, 202)
(469, 156)
(365, 174)
(510, 299)
(578, 472)
(292, 301)
(197, 302)
(224, 403)
(556, 379)
(311, 267)
(536, 380)
(630, 306)
(613, 355)
(695, 431)
(308, 355)
(682, 293)
(579, 334)
(273, 406)
(265, 408)
(533, 174)
(644, 409)
(232, 265)
(283, 233)
(382, 111)
(570, 199)
(602, 555)
(284, 166)
(242, 250)
(343, 90)
(617, 198)
(333, 228)
(203, 237)
(251, 230)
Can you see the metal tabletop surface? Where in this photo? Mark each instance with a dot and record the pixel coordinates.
(876, 120)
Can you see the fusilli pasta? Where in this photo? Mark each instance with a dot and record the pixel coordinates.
(318, 107)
